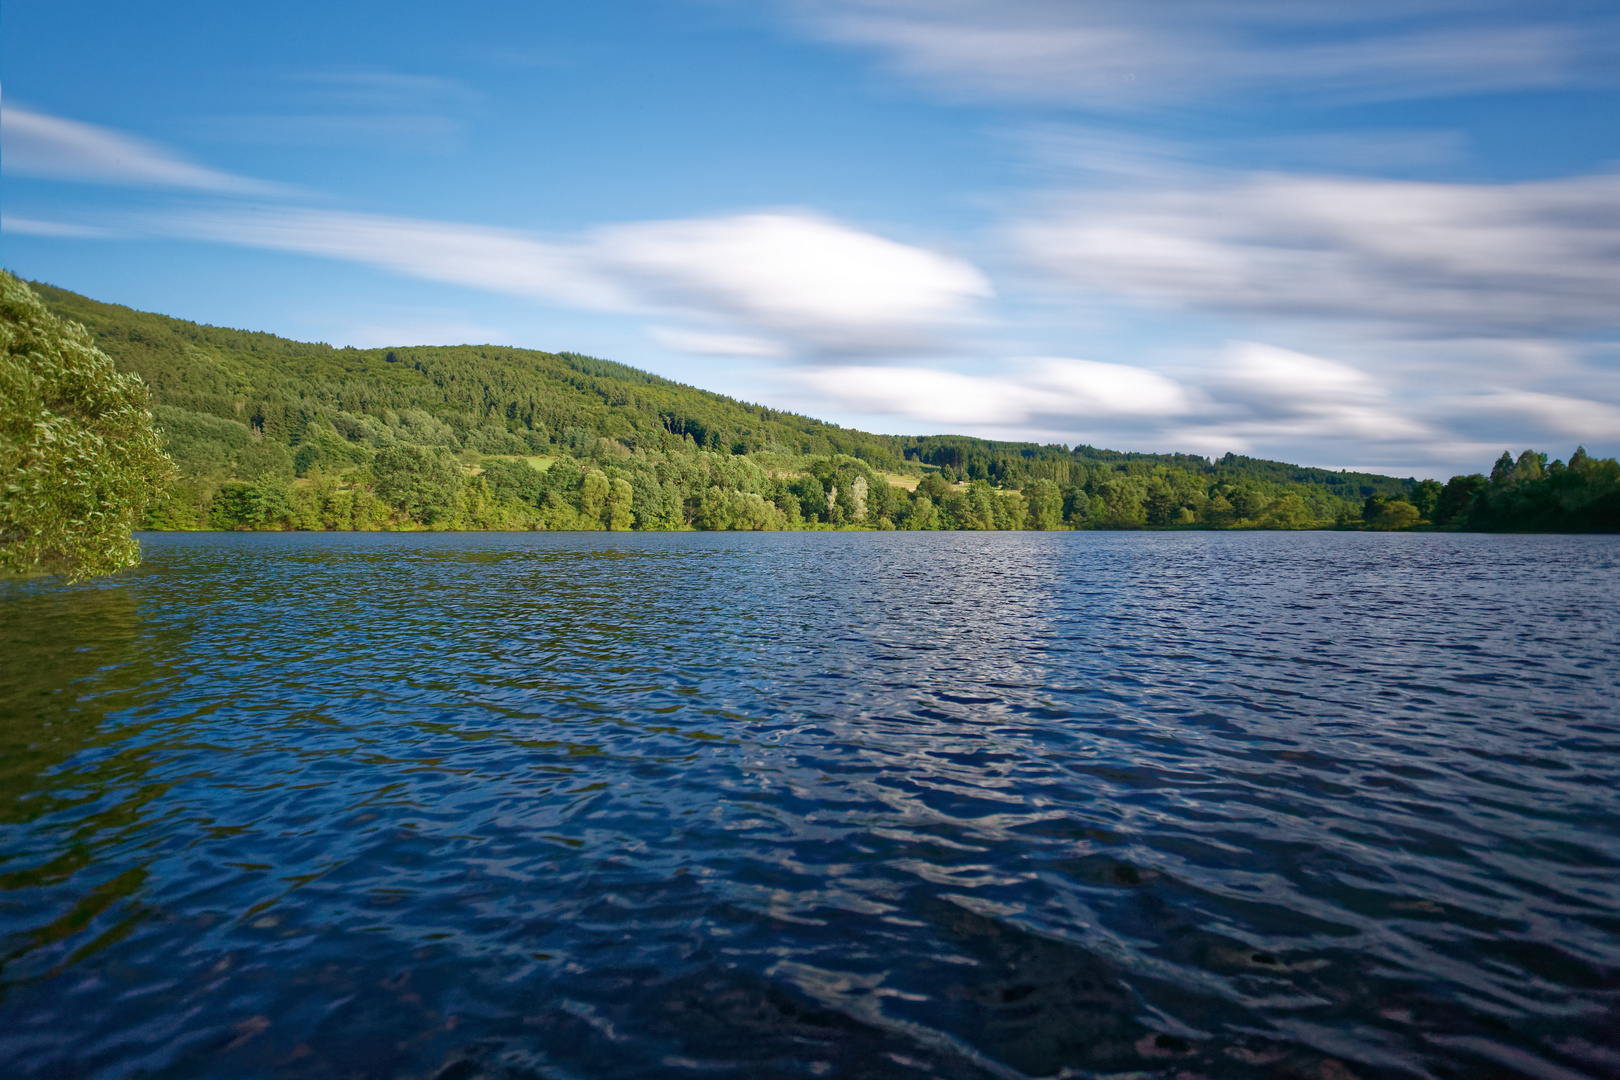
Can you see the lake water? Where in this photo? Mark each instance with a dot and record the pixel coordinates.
(815, 805)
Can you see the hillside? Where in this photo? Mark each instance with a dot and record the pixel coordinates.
(482, 392)
(278, 385)
(257, 423)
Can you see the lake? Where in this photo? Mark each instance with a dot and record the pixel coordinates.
(1314, 805)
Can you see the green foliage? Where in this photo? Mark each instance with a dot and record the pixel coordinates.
(421, 482)
(494, 400)
(1523, 494)
(1287, 512)
(80, 460)
(239, 505)
(200, 444)
(1011, 464)
(1457, 499)
(514, 481)
(1426, 498)
(1045, 504)
(1387, 515)
(1528, 494)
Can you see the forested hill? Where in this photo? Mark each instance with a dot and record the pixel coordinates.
(498, 399)
(269, 433)
(483, 393)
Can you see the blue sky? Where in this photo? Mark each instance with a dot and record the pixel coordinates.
(1371, 235)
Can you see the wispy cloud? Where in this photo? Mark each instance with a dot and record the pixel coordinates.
(497, 260)
(1067, 152)
(699, 343)
(1283, 393)
(800, 275)
(1112, 53)
(812, 284)
(1437, 259)
(1068, 391)
(31, 226)
(1555, 414)
(932, 396)
(39, 145)
(785, 283)
(1486, 291)
(1250, 398)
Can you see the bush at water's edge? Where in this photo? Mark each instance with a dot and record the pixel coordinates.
(80, 460)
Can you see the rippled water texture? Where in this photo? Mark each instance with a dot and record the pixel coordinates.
(816, 805)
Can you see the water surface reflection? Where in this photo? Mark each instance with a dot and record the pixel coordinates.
(816, 805)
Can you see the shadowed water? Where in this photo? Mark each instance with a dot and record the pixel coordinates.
(815, 805)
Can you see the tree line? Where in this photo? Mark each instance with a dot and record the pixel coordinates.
(1523, 494)
(257, 423)
(609, 486)
(269, 433)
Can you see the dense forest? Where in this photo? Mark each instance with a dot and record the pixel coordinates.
(270, 433)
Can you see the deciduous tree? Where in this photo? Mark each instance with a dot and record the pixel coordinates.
(80, 459)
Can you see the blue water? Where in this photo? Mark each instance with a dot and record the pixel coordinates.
(815, 805)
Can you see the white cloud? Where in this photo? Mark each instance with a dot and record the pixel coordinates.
(1253, 399)
(1075, 391)
(1119, 53)
(35, 144)
(1088, 388)
(1437, 269)
(800, 279)
(789, 277)
(1441, 259)
(702, 344)
(1295, 378)
(1575, 418)
(937, 397)
(1276, 392)
(1293, 406)
(797, 274)
(497, 260)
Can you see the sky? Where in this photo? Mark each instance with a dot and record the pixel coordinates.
(1374, 235)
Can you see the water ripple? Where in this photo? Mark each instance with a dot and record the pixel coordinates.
(865, 805)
